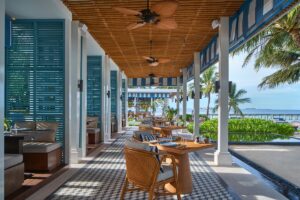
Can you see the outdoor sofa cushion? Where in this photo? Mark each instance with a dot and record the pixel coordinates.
(134, 144)
(145, 136)
(38, 131)
(137, 145)
(11, 160)
(39, 147)
(138, 135)
(92, 122)
(27, 125)
(93, 130)
(39, 136)
(166, 173)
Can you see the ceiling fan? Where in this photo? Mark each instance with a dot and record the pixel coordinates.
(160, 15)
(152, 61)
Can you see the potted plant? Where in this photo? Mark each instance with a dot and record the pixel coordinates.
(170, 114)
(7, 124)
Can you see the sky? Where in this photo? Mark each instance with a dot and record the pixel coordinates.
(282, 97)
(285, 97)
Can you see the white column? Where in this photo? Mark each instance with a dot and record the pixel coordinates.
(222, 156)
(119, 101)
(2, 93)
(197, 92)
(83, 93)
(134, 105)
(103, 97)
(69, 107)
(74, 75)
(178, 97)
(184, 89)
(126, 101)
(107, 119)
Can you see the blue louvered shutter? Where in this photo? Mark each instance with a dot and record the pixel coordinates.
(113, 85)
(94, 78)
(123, 96)
(35, 66)
(113, 96)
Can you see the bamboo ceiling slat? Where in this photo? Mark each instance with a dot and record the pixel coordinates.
(126, 48)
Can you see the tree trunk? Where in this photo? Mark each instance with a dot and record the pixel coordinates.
(208, 104)
(295, 32)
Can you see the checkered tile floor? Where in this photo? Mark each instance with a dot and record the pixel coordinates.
(102, 178)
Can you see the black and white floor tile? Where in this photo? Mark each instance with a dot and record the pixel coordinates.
(102, 178)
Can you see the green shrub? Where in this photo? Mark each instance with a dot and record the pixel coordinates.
(189, 117)
(133, 123)
(190, 127)
(247, 125)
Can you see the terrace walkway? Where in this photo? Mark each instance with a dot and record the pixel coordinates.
(102, 178)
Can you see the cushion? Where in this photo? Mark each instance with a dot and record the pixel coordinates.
(93, 130)
(92, 122)
(11, 160)
(142, 146)
(166, 173)
(145, 136)
(39, 136)
(39, 147)
(137, 135)
(137, 145)
(46, 126)
(27, 125)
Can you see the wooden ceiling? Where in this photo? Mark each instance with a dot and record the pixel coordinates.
(126, 48)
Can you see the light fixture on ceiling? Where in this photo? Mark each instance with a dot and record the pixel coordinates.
(215, 24)
(83, 27)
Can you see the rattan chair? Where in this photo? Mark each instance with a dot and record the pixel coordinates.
(143, 172)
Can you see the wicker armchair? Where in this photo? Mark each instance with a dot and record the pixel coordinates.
(143, 172)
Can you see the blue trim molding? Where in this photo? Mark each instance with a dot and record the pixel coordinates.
(143, 82)
(250, 19)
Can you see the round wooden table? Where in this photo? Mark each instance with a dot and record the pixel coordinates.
(185, 185)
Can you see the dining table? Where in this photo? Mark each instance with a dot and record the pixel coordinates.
(166, 131)
(181, 153)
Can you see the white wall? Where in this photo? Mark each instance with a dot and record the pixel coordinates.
(2, 82)
(93, 48)
(68, 91)
(37, 9)
(84, 94)
(75, 95)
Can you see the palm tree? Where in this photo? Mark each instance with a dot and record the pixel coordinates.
(207, 80)
(156, 103)
(278, 46)
(235, 100)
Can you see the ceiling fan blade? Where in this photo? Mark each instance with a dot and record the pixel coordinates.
(154, 64)
(127, 11)
(165, 8)
(164, 60)
(147, 58)
(167, 24)
(135, 25)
